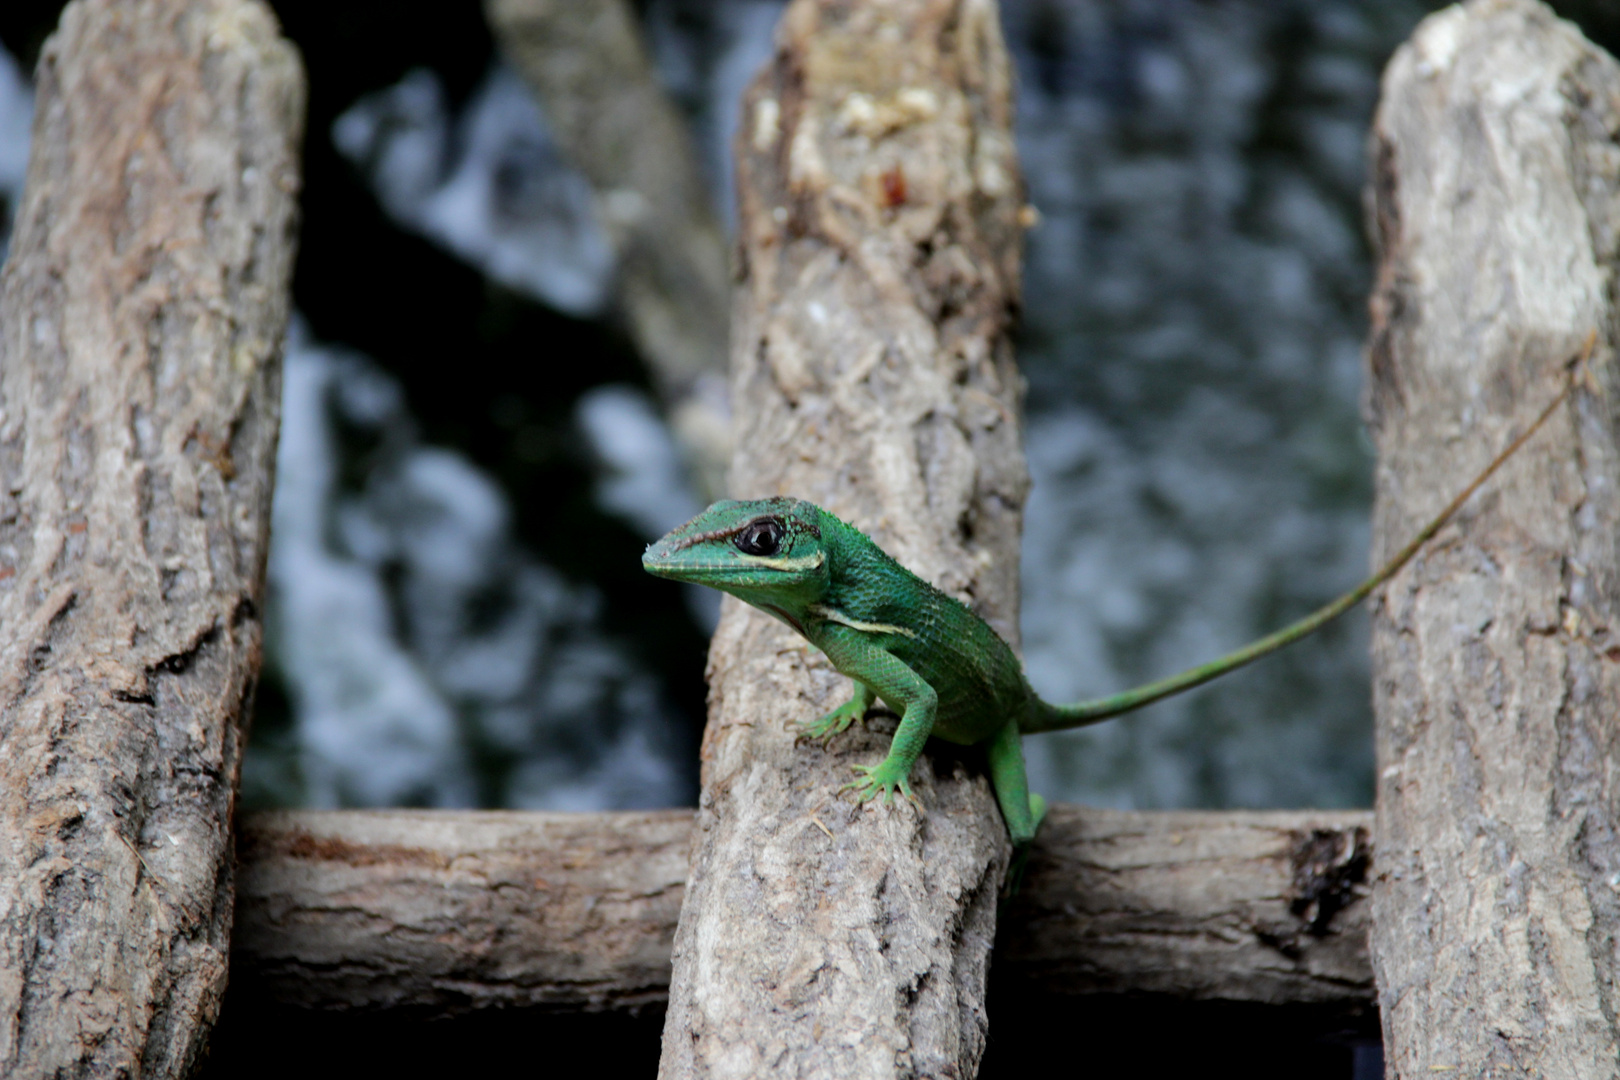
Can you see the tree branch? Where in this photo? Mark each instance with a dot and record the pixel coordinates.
(141, 316)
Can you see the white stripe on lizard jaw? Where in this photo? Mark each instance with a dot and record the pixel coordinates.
(803, 562)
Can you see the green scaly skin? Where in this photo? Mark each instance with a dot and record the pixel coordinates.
(932, 660)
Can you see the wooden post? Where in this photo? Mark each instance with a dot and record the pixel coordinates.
(141, 316)
(1496, 904)
(879, 203)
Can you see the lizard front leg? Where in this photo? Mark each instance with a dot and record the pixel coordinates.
(856, 655)
(838, 721)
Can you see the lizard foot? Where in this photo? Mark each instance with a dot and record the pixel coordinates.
(1020, 852)
(834, 723)
(886, 777)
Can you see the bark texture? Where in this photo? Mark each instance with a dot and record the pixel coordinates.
(587, 64)
(879, 202)
(1497, 652)
(1266, 907)
(141, 316)
(441, 912)
(444, 911)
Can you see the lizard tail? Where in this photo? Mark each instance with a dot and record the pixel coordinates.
(1045, 716)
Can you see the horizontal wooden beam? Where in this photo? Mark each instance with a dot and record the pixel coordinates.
(1256, 906)
(442, 912)
(446, 911)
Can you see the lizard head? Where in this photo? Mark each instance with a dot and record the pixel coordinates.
(766, 552)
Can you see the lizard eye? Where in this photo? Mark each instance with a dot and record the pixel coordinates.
(762, 537)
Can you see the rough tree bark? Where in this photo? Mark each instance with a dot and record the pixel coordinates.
(443, 912)
(141, 315)
(879, 203)
(1497, 687)
(590, 70)
(1256, 906)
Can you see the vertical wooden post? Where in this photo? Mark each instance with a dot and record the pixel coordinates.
(879, 199)
(1497, 653)
(141, 316)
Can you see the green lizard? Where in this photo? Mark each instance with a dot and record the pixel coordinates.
(930, 658)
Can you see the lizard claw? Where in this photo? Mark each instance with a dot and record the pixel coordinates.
(884, 777)
(833, 724)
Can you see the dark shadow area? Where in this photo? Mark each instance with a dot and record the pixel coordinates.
(24, 26)
(1101, 1036)
(1148, 1038)
(275, 1042)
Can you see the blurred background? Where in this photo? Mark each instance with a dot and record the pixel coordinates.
(478, 437)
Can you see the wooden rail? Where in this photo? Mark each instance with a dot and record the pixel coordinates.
(444, 912)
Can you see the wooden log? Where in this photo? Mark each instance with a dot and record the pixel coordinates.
(1496, 684)
(444, 911)
(879, 203)
(141, 317)
(1253, 906)
(438, 912)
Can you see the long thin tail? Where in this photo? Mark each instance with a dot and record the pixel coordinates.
(1059, 717)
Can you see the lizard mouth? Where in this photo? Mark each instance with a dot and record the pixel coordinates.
(678, 571)
(663, 564)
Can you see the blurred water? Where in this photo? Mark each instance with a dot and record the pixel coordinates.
(429, 660)
(640, 477)
(489, 185)
(16, 116)
(639, 473)
(1195, 307)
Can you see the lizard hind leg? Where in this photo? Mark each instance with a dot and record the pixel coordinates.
(1020, 808)
(839, 720)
